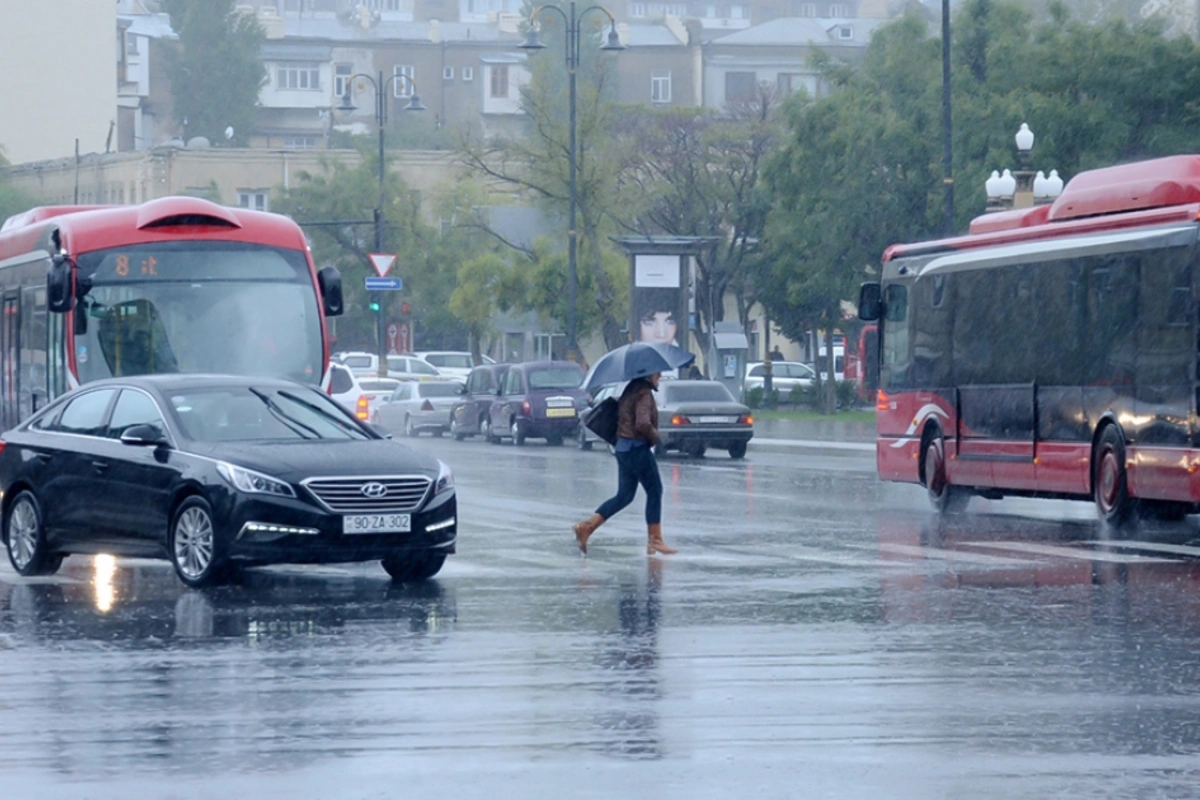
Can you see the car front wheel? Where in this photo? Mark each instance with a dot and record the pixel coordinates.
(193, 544)
(26, 536)
(408, 567)
(456, 431)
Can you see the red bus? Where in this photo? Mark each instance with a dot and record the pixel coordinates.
(1052, 351)
(177, 284)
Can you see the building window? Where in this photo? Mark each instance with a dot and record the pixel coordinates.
(807, 10)
(468, 73)
(660, 86)
(845, 32)
(637, 10)
(447, 73)
(403, 86)
(341, 78)
(789, 82)
(298, 76)
(740, 87)
(839, 10)
(499, 80)
(300, 142)
(131, 44)
(252, 199)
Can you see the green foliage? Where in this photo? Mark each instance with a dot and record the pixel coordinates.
(215, 70)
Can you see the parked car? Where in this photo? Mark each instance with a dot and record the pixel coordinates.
(214, 471)
(415, 407)
(362, 364)
(346, 391)
(469, 416)
(377, 391)
(411, 368)
(785, 376)
(585, 437)
(453, 363)
(538, 400)
(696, 415)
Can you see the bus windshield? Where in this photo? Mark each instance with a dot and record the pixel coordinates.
(188, 306)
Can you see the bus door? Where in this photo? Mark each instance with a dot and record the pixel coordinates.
(10, 351)
(996, 435)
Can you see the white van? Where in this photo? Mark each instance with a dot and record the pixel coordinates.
(839, 363)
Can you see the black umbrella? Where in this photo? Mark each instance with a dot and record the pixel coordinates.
(636, 360)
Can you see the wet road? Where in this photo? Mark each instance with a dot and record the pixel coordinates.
(819, 635)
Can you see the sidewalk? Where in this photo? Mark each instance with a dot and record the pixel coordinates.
(831, 434)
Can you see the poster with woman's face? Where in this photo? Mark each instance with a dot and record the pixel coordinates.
(659, 313)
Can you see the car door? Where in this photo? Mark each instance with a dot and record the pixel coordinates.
(502, 410)
(79, 488)
(391, 413)
(139, 478)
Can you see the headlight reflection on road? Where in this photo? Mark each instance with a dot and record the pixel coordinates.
(105, 567)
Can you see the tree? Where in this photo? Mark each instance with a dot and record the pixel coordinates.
(12, 200)
(538, 162)
(215, 70)
(697, 173)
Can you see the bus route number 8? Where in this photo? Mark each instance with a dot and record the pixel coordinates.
(123, 266)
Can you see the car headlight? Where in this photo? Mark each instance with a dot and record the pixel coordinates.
(251, 482)
(445, 479)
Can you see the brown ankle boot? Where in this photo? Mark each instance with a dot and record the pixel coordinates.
(655, 543)
(584, 530)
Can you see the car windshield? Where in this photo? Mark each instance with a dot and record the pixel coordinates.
(555, 378)
(698, 393)
(431, 389)
(245, 414)
(187, 306)
(452, 360)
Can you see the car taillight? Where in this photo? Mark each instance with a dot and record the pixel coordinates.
(427, 406)
(679, 419)
(528, 409)
(746, 419)
(362, 407)
(3, 444)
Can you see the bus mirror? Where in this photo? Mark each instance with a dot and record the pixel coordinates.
(329, 280)
(870, 304)
(59, 297)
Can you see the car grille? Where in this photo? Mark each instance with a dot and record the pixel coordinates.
(346, 496)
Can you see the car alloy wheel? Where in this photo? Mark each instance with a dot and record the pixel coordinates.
(194, 544)
(409, 430)
(456, 431)
(27, 549)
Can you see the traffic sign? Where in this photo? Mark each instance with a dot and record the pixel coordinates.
(382, 262)
(385, 284)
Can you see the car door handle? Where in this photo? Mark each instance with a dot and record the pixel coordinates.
(100, 465)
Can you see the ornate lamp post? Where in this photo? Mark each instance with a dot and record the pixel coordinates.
(414, 104)
(1023, 188)
(574, 31)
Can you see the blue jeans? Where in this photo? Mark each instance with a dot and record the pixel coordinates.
(634, 467)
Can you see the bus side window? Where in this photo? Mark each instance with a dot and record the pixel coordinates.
(896, 349)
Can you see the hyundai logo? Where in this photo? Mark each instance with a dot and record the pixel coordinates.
(374, 490)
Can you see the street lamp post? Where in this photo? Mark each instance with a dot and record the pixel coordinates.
(574, 29)
(414, 104)
(1023, 188)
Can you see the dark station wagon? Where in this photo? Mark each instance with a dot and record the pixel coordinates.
(469, 416)
(538, 400)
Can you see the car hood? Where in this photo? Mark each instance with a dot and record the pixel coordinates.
(294, 461)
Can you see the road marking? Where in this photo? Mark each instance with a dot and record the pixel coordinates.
(953, 555)
(1152, 547)
(1069, 552)
(818, 444)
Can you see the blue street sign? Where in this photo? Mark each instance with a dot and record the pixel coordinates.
(384, 284)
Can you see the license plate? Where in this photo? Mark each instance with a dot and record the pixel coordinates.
(716, 419)
(377, 523)
(560, 412)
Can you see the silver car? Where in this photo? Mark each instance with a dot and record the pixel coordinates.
(785, 376)
(417, 406)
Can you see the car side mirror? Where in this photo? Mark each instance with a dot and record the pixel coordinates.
(144, 436)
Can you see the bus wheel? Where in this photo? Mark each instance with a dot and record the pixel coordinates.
(1110, 488)
(944, 496)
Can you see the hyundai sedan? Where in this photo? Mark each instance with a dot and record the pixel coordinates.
(213, 472)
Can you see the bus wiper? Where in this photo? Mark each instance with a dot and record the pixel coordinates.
(292, 423)
(318, 410)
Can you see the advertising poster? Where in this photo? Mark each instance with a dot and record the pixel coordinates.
(659, 300)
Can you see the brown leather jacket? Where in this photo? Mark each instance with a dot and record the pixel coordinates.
(637, 413)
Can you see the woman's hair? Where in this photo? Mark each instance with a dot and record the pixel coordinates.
(648, 302)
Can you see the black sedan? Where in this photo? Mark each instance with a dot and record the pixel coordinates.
(212, 472)
(696, 415)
